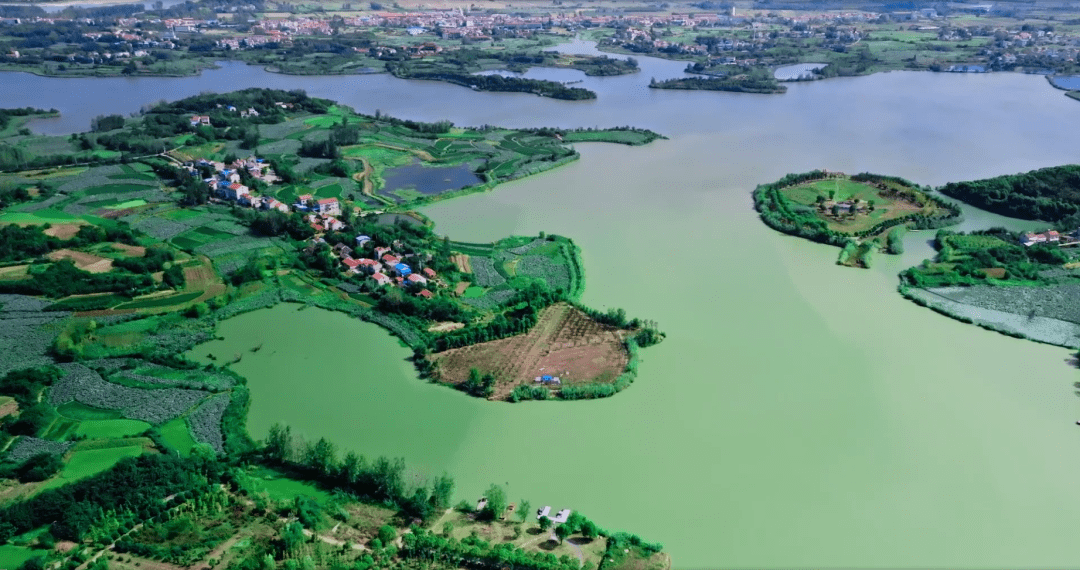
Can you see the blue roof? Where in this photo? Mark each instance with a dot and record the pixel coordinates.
(545, 377)
(402, 268)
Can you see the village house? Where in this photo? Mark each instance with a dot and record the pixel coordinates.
(361, 241)
(329, 206)
(352, 264)
(416, 279)
(333, 224)
(428, 272)
(370, 265)
(303, 201)
(390, 260)
(381, 251)
(273, 204)
(402, 269)
(197, 120)
(380, 278)
(425, 294)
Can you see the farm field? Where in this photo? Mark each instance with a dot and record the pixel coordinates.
(178, 436)
(565, 343)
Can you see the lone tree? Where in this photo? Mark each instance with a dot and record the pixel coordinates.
(523, 511)
(496, 503)
(545, 523)
(562, 531)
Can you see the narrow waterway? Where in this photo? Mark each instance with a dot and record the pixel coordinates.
(799, 413)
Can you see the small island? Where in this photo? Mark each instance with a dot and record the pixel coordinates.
(735, 81)
(860, 214)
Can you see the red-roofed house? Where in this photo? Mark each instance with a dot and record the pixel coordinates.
(425, 294)
(429, 273)
(380, 278)
(390, 260)
(416, 279)
(334, 224)
(273, 204)
(351, 263)
(381, 251)
(1053, 235)
(329, 206)
(370, 265)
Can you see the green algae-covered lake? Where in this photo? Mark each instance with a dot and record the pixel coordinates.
(799, 414)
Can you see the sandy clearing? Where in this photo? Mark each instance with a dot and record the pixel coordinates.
(63, 231)
(129, 250)
(85, 261)
(446, 327)
(8, 408)
(459, 290)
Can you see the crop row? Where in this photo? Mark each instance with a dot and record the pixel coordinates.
(82, 384)
(205, 422)
(527, 247)
(484, 271)
(97, 176)
(26, 447)
(159, 228)
(557, 275)
(25, 333)
(490, 300)
(232, 245)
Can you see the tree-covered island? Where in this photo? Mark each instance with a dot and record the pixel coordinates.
(861, 214)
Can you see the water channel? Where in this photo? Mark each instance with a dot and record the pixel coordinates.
(799, 413)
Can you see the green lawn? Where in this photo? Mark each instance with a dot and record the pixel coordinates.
(281, 488)
(126, 205)
(473, 292)
(11, 557)
(77, 411)
(100, 429)
(89, 462)
(177, 435)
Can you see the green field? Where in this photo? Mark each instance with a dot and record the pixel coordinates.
(11, 556)
(177, 435)
(162, 301)
(126, 205)
(82, 412)
(473, 292)
(89, 462)
(281, 488)
(100, 429)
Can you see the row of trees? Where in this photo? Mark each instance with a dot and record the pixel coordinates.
(382, 479)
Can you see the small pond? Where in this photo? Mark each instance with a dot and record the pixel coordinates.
(429, 180)
(1066, 81)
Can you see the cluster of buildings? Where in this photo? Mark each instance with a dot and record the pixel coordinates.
(384, 267)
(225, 183)
(1050, 237)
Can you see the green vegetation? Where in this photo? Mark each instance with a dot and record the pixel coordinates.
(752, 81)
(540, 87)
(111, 429)
(176, 434)
(857, 213)
(989, 256)
(1049, 194)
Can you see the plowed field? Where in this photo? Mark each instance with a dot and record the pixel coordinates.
(564, 343)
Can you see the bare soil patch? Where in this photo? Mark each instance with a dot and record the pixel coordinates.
(129, 250)
(995, 272)
(565, 342)
(63, 231)
(203, 277)
(462, 262)
(85, 261)
(446, 327)
(8, 408)
(460, 288)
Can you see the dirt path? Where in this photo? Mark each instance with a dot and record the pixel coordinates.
(423, 154)
(543, 329)
(333, 541)
(367, 187)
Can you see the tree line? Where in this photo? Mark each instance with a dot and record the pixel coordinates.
(1051, 194)
(541, 87)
